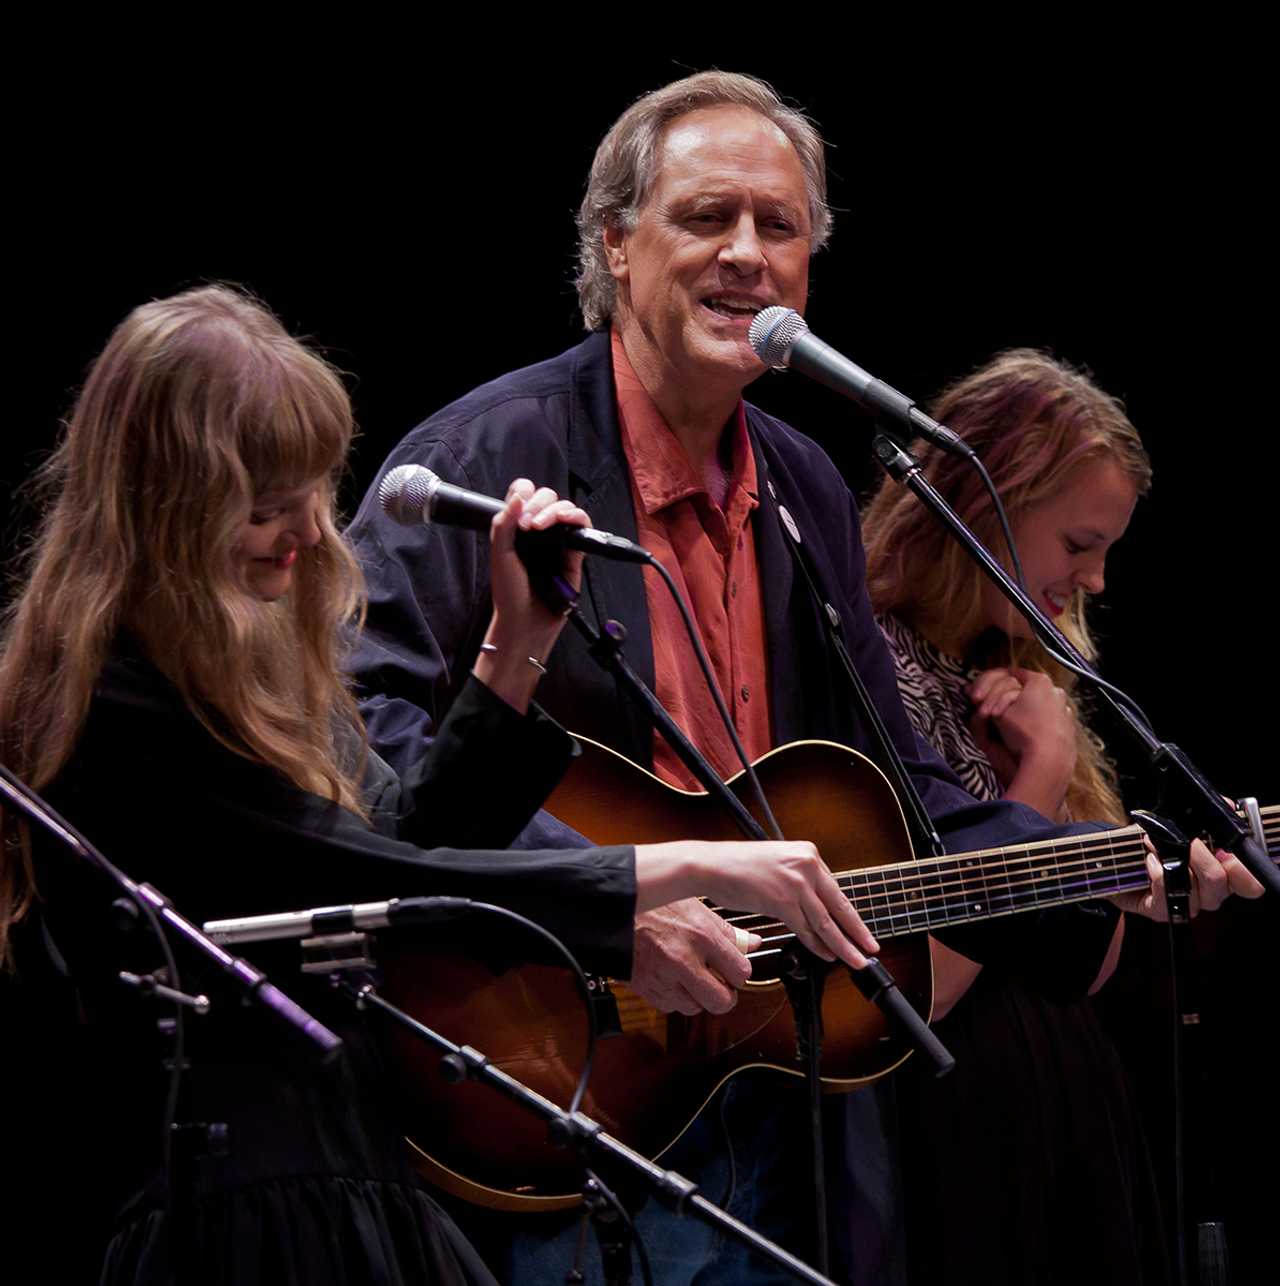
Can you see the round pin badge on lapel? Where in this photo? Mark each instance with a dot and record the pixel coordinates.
(790, 523)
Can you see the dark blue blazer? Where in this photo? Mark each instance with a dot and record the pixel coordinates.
(557, 424)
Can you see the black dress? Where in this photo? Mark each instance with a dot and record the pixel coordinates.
(1027, 1164)
(315, 1184)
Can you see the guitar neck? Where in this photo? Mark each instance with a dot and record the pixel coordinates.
(911, 897)
(960, 888)
(935, 893)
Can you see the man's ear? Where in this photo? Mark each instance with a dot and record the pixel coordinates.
(615, 250)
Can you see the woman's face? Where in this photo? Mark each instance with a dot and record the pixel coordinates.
(1063, 543)
(280, 524)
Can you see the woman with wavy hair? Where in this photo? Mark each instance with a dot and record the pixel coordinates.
(171, 679)
(1027, 1164)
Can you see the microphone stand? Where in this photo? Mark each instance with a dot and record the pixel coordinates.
(353, 972)
(803, 974)
(1195, 806)
(251, 983)
(577, 1130)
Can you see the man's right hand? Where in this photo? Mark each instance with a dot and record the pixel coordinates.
(687, 960)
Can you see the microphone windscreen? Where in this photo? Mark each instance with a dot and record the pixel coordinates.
(405, 494)
(773, 332)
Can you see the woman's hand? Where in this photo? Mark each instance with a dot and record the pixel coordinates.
(522, 625)
(783, 879)
(1026, 727)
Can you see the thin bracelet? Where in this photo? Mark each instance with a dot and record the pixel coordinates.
(533, 660)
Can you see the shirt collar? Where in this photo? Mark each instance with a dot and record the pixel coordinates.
(660, 466)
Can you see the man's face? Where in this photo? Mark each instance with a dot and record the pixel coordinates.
(724, 233)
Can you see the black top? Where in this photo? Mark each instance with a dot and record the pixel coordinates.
(315, 1186)
(1026, 1165)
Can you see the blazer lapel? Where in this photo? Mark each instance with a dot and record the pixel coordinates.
(602, 486)
(781, 619)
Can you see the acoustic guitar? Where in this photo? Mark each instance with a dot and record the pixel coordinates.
(654, 1072)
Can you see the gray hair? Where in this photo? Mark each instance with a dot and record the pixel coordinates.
(625, 164)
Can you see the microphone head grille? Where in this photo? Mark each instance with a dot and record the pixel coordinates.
(773, 331)
(405, 494)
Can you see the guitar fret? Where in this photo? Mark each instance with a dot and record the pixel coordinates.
(929, 885)
(857, 888)
(1002, 898)
(1052, 884)
(1109, 870)
(886, 904)
(919, 916)
(977, 888)
(955, 898)
(900, 915)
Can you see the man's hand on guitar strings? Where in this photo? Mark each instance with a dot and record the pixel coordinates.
(689, 959)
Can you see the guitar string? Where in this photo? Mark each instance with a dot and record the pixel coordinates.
(958, 910)
(1010, 879)
(1011, 876)
(1123, 876)
(901, 923)
(904, 922)
(1007, 858)
(1103, 841)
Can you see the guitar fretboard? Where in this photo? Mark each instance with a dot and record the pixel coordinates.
(937, 892)
(914, 897)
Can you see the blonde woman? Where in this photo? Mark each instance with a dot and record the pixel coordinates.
(170, 679)
(1027, 1165)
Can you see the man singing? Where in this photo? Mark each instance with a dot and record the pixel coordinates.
(705, 203)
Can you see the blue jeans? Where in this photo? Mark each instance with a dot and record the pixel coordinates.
(749, 1152)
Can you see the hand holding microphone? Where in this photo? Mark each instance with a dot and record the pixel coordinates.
(524, 627)
(410, 494)
(536, 545)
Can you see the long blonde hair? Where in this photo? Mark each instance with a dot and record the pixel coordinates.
(197, 404)
(1033, 420)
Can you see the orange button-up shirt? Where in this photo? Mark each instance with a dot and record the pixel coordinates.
(709, 549)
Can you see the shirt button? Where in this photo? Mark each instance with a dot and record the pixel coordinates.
(745, 693)
(733, 590)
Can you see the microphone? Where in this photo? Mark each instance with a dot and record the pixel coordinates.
(781, 338)
(410, 494)
(318, 921)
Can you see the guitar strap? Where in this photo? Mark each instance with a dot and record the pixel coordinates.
(924, 835)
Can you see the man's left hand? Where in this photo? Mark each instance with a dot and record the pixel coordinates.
(1214, 878)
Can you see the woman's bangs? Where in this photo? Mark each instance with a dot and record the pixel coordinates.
(295, 428)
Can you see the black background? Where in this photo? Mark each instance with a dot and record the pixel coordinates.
(1101, 202)
(425, 240)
